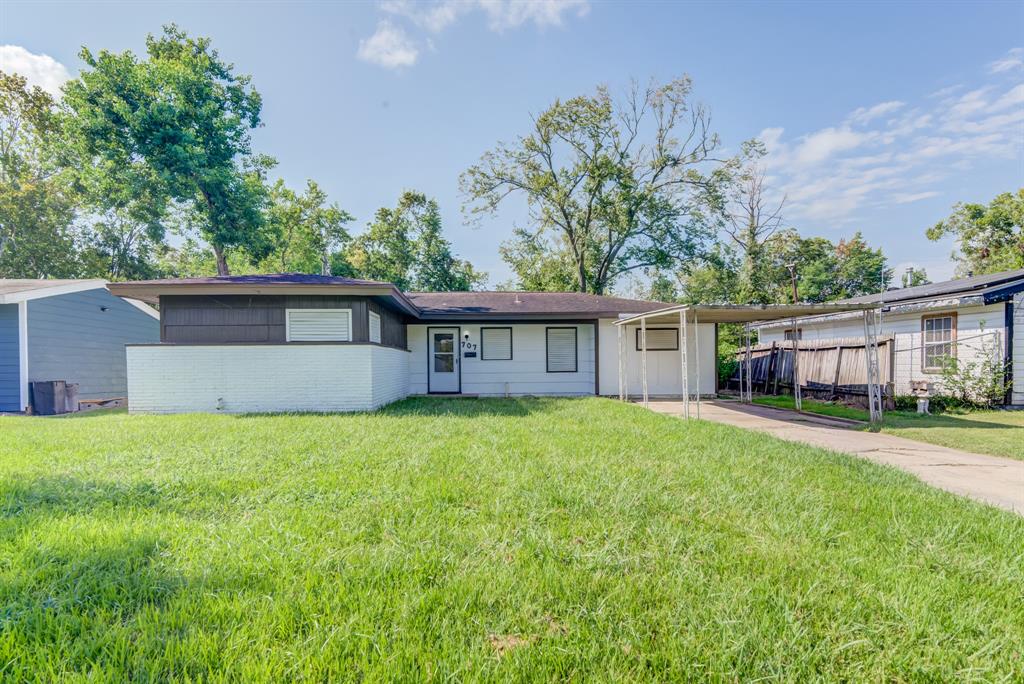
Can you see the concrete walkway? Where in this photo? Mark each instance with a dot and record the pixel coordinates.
(990, 479)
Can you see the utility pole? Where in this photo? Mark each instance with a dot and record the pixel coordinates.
(792, 280)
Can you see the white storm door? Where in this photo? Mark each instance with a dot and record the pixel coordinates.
(443, 360)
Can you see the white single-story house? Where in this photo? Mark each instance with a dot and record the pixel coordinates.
(928, 324)
(70, 330)
(295, 342)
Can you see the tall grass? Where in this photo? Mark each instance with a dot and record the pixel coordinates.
(532, 539)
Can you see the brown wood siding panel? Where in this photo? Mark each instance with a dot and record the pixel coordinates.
(213, 319)
(393, 329)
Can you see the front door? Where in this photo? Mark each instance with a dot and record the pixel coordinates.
(443, 360)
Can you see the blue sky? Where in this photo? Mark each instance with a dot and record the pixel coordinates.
(879, 116)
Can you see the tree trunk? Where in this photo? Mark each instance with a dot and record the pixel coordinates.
(325, 264)
(222, 262)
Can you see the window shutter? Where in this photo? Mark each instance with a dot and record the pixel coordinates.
(374, 327)
(319, 325)
(496, 344)
(561, 350)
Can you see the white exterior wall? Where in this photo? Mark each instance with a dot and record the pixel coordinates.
(1018, 349)
(525, 374)
(264, 378)
(906, 329)
(390, 374)
(664, 368)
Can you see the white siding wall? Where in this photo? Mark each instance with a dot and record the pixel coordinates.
(1018, 348)
(906, 328)
(259, 378)
(526, 373)
(664, 369)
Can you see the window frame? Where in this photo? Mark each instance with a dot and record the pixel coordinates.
(787, 334)
(638, 336)
(511, 342)
(952, 316)
(380, 327)
(547, 348)
(288, 324)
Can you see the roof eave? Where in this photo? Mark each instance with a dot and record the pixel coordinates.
(151, 293)
(29, 294)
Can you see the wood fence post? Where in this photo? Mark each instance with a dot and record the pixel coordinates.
(771, 368)
(839, 365)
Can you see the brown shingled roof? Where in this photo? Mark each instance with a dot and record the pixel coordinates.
(489, 304)
(430, 305)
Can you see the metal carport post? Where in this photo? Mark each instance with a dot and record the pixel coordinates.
(747, 314)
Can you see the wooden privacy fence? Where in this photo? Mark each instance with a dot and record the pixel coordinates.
(833, 369)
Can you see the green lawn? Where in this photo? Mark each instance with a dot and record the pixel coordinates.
(823, 408)
(530, 540)
(1000, 433)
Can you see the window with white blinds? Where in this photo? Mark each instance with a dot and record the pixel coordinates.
(496, 344)
(375, 327)
(561, 343)
(658, 339)
(318, 325)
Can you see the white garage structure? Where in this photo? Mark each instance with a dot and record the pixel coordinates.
(687, 316)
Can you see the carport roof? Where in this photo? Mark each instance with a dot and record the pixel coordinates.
(740, 313)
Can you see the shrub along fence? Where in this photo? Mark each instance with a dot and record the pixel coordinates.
(834, 370)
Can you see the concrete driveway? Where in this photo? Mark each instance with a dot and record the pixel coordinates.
(990, 479)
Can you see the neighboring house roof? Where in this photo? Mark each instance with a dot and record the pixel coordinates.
(991, 288)
(15, 290)
(975, 285)
(518, 304)
(430, 305)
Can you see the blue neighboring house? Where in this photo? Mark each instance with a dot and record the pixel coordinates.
(72, 330)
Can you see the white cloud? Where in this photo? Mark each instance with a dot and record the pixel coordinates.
(1012, 98)
(819, 146)
(388, 47)
(864, 115)
(501, 14)
(947, 91)
(434, 18)
(39, 70)
(908, 197)
(1014, 59)
(892, 153)
(392, 48)
(506, 14)
(969, 103)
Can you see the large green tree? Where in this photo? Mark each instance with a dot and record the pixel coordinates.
(825, 271)
(612, 187)
(308, 233)
(37, 207)
(405, 246)
(752, 218)
(173, 128)
(989, 237)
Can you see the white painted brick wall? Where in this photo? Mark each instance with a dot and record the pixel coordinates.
(390, 374)
(263, 378)
(1018, 348)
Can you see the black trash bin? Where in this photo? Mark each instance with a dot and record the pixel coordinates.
(49, 397)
